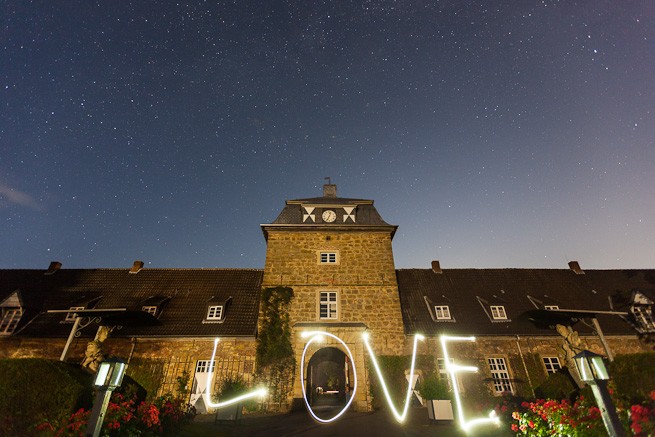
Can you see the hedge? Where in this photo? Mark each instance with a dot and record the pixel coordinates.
(33, 390)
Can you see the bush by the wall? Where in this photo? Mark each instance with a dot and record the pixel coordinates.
(393, 370)
(34, 390)
(558, 385)
(633, 376)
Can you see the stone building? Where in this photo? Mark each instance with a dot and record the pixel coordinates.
(336, 255)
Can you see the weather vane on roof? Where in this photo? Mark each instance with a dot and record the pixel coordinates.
(329, 179)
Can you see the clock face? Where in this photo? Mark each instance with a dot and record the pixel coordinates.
(329, 216)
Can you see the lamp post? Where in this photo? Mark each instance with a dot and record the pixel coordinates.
(592, 370)
(109, 378)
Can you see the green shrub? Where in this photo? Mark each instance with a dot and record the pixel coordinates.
(633, 376)
(431, 387)
(558, 385)
(393, 370)
(34, 390)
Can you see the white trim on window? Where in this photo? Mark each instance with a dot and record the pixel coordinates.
(328, 305)
(328, 257)
(500, 375)
(551, 307)
(498, 312)
(644, 316)
(205, 366)
(442, 312)
(150, 309)
(70, 317)
(552, 364)
(215, 312)
(10, 318)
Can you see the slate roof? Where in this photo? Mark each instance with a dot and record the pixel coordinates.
(467, 291)
(366, 215)
(184, 294)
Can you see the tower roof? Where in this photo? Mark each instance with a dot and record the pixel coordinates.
(330, 212)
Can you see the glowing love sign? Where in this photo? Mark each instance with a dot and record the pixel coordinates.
(319, 336)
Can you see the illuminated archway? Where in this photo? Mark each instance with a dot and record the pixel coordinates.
(319, 337)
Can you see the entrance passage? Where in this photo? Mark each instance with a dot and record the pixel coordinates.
(329, 386)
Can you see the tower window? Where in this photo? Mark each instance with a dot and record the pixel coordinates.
(328, 305)
(328, 257)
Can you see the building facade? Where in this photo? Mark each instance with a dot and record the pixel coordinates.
(336, 255)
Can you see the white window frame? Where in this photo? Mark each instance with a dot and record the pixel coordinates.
(215, 312)
(644, 316)
(328, 303)
(150, 309)
(498, 312)
(70, 317)
(328, 257)
(442, 312)
(205, 366)
(552, 364)
(551, 307)
(500, 375)
(10, 318)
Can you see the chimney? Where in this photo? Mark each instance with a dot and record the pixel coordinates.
(53, 267)
(329, 190)
(575, 266)
(136, 267)
(436, 267)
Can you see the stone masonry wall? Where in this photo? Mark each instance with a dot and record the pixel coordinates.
(365, 280)
(523, 356)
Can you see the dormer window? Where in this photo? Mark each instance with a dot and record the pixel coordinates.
(9, 320)
(551, 307)
(644, 317)
(442, 312)
(215, 312)
(498, 312)
(150, 309)
(70, 317)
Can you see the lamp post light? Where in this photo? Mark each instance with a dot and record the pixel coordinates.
(109, 377)
(592, 370)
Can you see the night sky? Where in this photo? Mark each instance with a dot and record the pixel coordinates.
(495, 134)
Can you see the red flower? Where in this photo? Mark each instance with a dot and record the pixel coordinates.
(515, 427)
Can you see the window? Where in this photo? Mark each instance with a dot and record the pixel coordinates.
(70, 317)
(150, 309)
(328, 257)
(328, 305)
(499, 375)
(552, 364)
(10, 318)
(215, 312)
(644, 316)
(205, 366)
(551, 307)
(498, 312)
(442, 312)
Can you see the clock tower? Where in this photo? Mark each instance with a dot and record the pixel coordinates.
(336, 255)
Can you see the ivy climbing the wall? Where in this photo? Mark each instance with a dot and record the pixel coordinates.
(275, 360)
